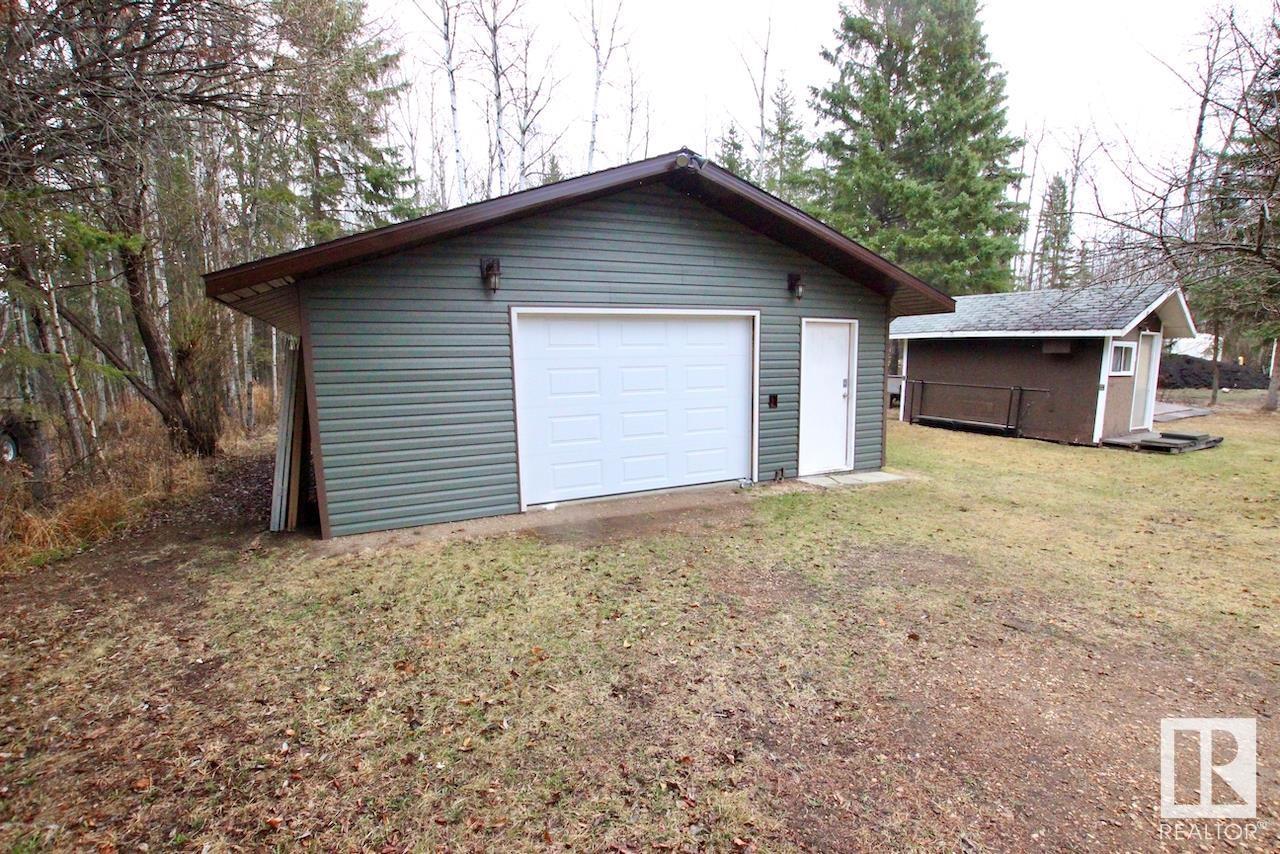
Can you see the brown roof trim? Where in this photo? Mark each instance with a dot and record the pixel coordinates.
(684, 169)
(792, 225)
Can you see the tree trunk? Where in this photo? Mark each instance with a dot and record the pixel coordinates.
(185, 433)
(447, 34)
(275, 376)
(247, 353)
(24, 372)
(1272, 401)
(235, 400)
(95, 317)
(1217, 363)
(47, 346)
(595, 114)
(1186, 219)
(91, 449)
(495, 66)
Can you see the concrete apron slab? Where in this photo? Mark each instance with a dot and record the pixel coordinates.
(592, 519)
(863, 478)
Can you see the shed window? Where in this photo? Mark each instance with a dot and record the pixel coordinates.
(1122, 355)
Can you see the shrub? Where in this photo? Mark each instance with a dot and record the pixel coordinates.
(138, 471)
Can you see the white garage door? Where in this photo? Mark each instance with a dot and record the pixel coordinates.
(612, 403)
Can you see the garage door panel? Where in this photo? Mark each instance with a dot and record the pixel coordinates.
(572, 333)
(621, 403)
(642, 333)
(645, 471)
(571, 382)
(706, 420)
(575, 429)
(584, 474)
(701, 378)
(712, 462)
(651, 424)
(643, 379)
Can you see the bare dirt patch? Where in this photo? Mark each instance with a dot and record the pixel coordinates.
(999, 723)
(144, 564)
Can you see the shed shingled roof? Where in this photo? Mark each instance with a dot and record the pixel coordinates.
(1094, 310)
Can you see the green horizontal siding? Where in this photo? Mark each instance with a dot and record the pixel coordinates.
(413, 356)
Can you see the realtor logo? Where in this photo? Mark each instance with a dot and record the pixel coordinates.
(1238, 775)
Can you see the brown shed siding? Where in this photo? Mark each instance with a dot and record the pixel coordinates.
(1065, 414)
(1117, 415)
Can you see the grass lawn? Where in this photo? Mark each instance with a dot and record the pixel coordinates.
(976, 659)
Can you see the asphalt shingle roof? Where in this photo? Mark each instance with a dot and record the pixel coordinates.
(1095, 308)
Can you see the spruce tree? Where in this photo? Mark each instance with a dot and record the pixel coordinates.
(732, 153)
(1053, 255)
(917, 153)
(786, 148)
(348, 178)
(553, 171)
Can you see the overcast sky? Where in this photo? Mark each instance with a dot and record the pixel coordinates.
(1076, 64)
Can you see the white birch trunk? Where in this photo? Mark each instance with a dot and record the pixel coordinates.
(89, 449)
(275, 369)
(602, 52)
(249, 414)
(1272, 401)
(448, 21)
(495, 67)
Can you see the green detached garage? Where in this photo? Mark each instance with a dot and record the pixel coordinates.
(655, 325)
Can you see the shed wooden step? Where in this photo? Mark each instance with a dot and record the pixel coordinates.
(1165, 443)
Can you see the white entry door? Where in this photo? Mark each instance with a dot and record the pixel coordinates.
(612, 402)
(1145, 377)
(828, 350)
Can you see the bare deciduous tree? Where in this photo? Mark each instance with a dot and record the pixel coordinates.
(604, 40)
(1209, 224)
(531, 90)
(89, 91)
(760, 88)
(494, 17)
(444, 19)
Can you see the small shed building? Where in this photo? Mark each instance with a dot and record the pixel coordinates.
(655, 325)
(1076, 365)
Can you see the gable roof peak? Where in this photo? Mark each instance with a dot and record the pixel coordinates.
(684, 170)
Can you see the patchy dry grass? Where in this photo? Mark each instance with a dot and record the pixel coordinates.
(138, 472)
(974, 659)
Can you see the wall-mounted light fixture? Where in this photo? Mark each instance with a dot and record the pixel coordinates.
(491, 273)
(795, 285)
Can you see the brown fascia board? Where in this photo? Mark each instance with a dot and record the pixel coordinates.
(392, 238)
(683, 169)
(766, 213)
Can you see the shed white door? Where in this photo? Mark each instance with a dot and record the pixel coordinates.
(612, 403)
(827, 357)
(1145, 377)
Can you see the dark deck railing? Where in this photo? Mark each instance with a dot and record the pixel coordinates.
(986, 407)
